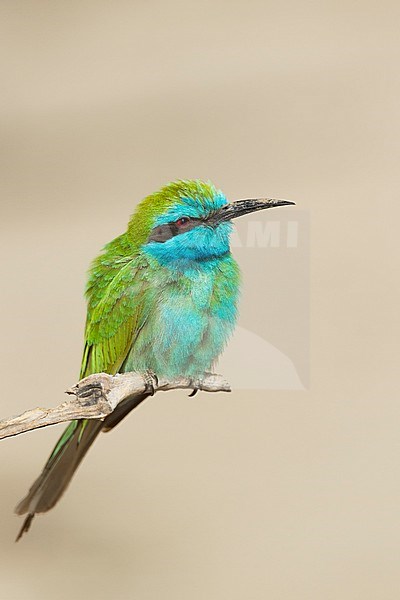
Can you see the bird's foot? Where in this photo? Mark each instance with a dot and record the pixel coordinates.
(151, 382)
(90, 393)
(195, 384)
(209, 382)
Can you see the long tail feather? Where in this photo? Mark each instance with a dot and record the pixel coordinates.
(59, 469)
(65, 459)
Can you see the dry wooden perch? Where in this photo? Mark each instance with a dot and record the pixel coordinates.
(96, 396)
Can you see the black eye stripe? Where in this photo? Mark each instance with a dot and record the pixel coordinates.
(165, 232)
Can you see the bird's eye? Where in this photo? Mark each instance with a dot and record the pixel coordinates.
(182, 221)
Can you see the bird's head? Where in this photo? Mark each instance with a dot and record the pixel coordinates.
(188, 221)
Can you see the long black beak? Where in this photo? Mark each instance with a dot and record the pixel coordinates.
(242, 207)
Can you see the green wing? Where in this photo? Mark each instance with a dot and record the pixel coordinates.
(116, 295)
(112, 327)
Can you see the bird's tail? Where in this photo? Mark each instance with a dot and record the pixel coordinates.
(59, 469)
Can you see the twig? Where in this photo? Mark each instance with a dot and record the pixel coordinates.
(96, 396)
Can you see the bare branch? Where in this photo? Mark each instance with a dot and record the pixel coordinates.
(96, 396)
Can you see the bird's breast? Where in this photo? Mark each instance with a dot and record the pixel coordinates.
(188, 325)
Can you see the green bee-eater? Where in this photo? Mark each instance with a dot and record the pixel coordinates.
(162, 298)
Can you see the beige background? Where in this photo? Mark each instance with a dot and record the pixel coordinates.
(281, 495)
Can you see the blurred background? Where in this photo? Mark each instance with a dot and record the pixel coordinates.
(286, 494)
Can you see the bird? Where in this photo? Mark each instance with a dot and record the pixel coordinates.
(162, 300)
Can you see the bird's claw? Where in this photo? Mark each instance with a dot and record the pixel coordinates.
(209, 382)
(92, 391)
(195, 384)
(151, 382)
